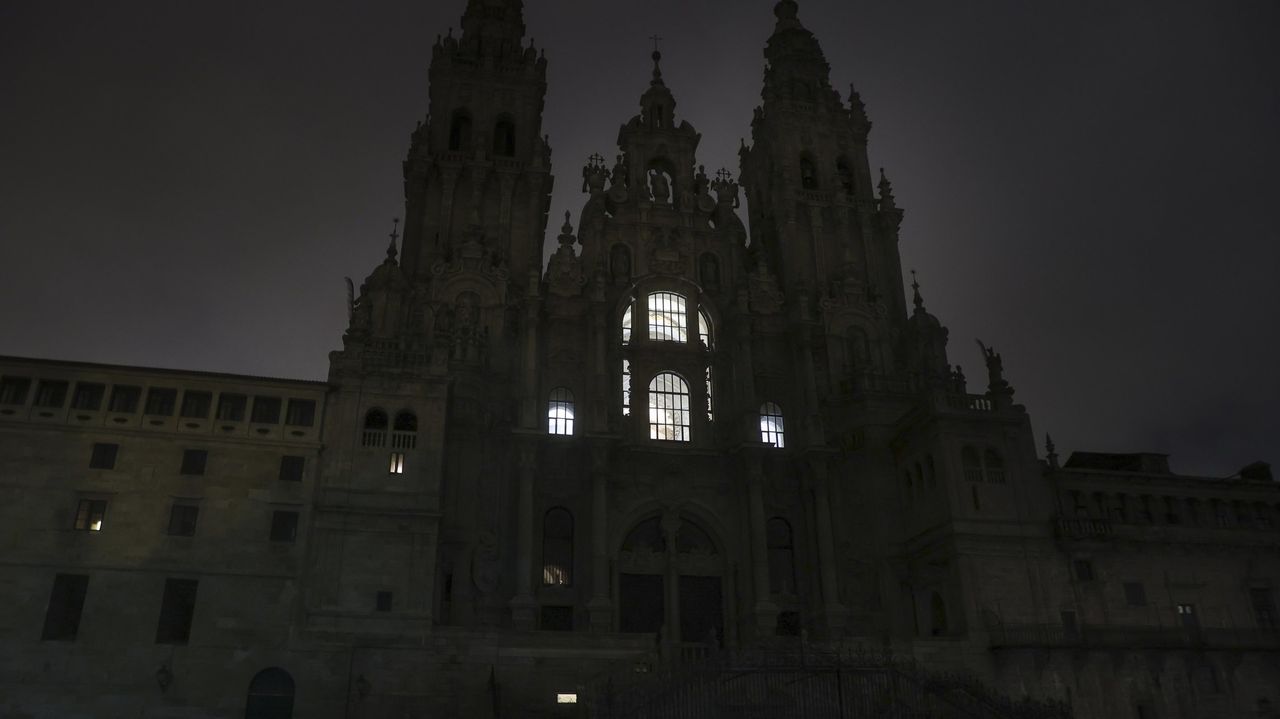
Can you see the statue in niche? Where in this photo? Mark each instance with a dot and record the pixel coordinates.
(620, 264)
(619, 177)
(701, 182)
(660, 187)
(709, 270)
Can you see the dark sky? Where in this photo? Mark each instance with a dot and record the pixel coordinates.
(1091, 187)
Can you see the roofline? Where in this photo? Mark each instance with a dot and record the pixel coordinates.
(161, 370)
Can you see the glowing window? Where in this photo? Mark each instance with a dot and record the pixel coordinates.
(397, 463)
(771, 431)
(560, 412)
(667, 318)
(669, 408)
(626, 327)
(626, 388)
(89, 515)
(710, 411)
(566, 699)
(704, 329)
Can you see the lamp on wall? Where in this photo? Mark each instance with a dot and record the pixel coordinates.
(164, 677)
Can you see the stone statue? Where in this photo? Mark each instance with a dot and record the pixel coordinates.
(660, 186)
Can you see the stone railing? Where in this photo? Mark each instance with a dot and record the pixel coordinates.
(1130, 637)
(1083, 528)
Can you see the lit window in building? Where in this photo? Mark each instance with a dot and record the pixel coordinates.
(669, 408)
(667, 318)
(566, 699)
(89, 515)
(710, 411)
(704, 328)
(771, 429)
(560, 412)
(397, 463)
(626, 326)
(557, 548)
(626, 388)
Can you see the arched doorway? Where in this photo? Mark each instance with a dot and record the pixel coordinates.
(270, 695)
(671, 582)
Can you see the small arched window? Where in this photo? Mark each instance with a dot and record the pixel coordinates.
(846, 176)
(669, 408)
(782, 557)
(504, 138)
(668, 321)
(375, 428)
(270, 695)
(557, 548)
(972, 464)
(704, 328)
(808, 174)
(560, 412)
(994, 466)
(405, 434)
(771, 427)
(626, 326)
(406, 422)
(460, 132)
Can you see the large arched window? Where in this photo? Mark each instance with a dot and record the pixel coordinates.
(460, 132)
(504, 138)
(375, 428)
(405, 431)
(782, 557)
(560, 412)
(669, 408)
(557, 548)
(667, 317)
(270, 695)
(972, 464)
(771, 429)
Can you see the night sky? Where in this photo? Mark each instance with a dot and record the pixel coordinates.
(1091, 187)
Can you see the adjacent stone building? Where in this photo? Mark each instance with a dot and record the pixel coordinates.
(675, 444)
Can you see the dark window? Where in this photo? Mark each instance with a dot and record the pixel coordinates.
(301, 413)
(66, 602)
(782, 557)
(88, 396)
(182, 520)
(284, 526)
(808, 174)
(176, 610)
(460, 132)
(266, 410)
(406, 422)
(193, 461)
(1084, 570)
(557, 548)
(231, 407)
(291, 468)
(195, 405)
(90, 514)
(51, 393)
(270, 695)
(161, 401)
(972, 464)
(383, 601)
(788, 624)
(1135, 595)
(1264, 607)
(556, 619)
(994, 466)
(504, 138)
(124, 399)
(846, 176)
(103, 456)
(14, 390)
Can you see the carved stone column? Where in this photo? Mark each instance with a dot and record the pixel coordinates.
(599, 608)
(835, 612)
(765, 612)
(524, 606)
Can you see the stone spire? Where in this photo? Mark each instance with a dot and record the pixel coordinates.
(657, 102)
(797, 69)
(493, 23)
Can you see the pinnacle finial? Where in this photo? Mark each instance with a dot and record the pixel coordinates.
(915, 286)
(566, 231)
(657, 60)
(1051, 451)
(395, 235)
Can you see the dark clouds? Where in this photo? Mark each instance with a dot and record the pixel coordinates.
(1090, 187)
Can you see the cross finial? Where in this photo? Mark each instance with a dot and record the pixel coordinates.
(656, 39)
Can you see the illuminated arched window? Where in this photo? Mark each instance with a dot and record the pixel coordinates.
(972, 464)
(669, 408)
(626, 326)
(771, 425)
(504, 138)
(782, 556)
(270, 695)
(557, 548)
(667, 317)
(460, 132)
(994, 466)
(704, 328)
(560, 412)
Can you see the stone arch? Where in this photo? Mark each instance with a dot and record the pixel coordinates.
(460, 125)
(270, 695)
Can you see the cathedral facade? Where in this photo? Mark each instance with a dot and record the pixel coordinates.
(676, 442)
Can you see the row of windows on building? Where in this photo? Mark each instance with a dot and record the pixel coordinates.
(91, 516)
(1170, 510)
(104, 455)
(1261, 599)
(160, 401)
(504, 134)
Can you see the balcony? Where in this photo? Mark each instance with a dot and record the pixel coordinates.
(1084, 528)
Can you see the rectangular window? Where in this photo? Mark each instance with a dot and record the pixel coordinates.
(556, 619)
(176, 611)
(1084, 570)
(182, 520)
(14, 390)
(383, 601)
(195, 405)
(291, 468)
(1264, 607)
(193, 461)
(1135, 595)
(231, 407)
(397, 463)
(266, 410)
(668, 318)
(66, 603)
(50, 393)
(103, 456)
(124, 400)
(1187, 615)
(90, 515)
(88, 396)
(301, 413)
(284, 526)
(161, 401)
